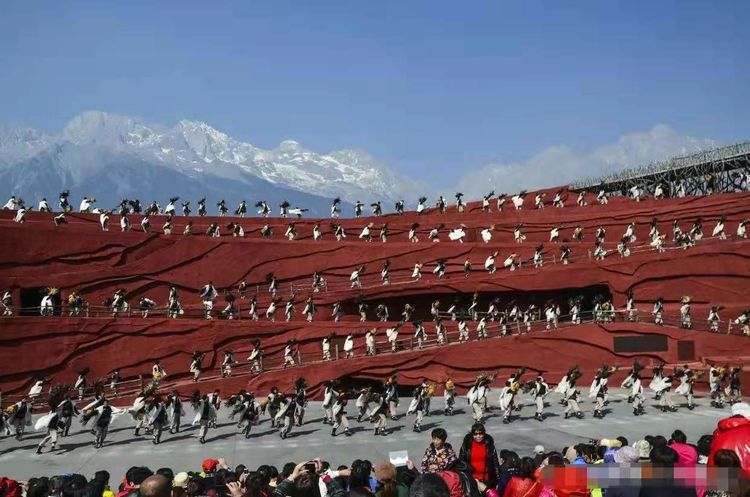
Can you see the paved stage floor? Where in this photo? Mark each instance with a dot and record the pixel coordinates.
(183, 452)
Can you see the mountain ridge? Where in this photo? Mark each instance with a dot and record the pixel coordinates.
(94, 144)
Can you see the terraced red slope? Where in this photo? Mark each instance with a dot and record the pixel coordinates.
(81, 257)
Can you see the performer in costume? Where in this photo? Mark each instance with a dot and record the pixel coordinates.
(656, 384)
(81, 382)
(289, 352)
(158, 418)
(205, 414)
(687, 380)
(392, 335)
(508, 394)
(339, 414)
(685, 319)
(285, 416)
(540, 390)
(208, 295)
(713, 319)
(329, 397)
(734, 393)
(417, 405)
(300, 400)
(477, 396)
(104, 416)
(658, 312)
(256, 357)
(391, 395)
(349, 346)
(226, 365)
(449, 394)
(364, 398)
(716, 377)
(337, 312)
(176, 411)
(598, 389)
(370, 349)
(53, 421)
(195, 365)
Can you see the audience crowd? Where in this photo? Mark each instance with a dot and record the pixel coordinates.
(648, 467)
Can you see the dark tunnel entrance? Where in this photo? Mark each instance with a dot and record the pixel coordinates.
(523, 299)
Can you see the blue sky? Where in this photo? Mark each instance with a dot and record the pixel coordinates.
(432, 88)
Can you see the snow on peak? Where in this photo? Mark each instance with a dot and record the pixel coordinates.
(195, 146)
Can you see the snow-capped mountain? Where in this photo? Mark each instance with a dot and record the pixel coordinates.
(97, 151)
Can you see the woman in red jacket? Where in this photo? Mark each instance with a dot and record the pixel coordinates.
(524, 485)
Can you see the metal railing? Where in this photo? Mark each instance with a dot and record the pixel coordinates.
(367, 282)
(310, 353)
(674, 163)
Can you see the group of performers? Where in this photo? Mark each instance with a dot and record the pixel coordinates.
(155, 412)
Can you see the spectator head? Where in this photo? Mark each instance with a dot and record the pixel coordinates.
(74, 486)
(538, 450)
(679, 437)
(704, 445)
(156, 486)
(663, 455)
(195, 487)
(626, 455)
(255, 485)
(241, 468)
(287, 470)
(571, 453)
(479, 432)
(102, 476)
(429, 485)
(38, 487)
(306, 485)
(656, 440)
(527, 467)
(209, 465)
(439, 436)
(166, 473)
(725, 458)
(180, 480)
(643, 447)
(556, 460)
(360, 474)
(511, 460)
(136, 475)
(623, 441)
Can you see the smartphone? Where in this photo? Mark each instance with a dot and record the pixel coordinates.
(399, 457)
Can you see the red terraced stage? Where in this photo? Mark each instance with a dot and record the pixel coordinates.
(81, 257)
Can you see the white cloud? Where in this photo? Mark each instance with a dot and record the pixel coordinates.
(560, 165)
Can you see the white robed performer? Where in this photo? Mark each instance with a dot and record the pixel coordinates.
(477, 396)
(487, 234)
(457, 234)
(205, 415)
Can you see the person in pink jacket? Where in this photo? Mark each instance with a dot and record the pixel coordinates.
(688, 454)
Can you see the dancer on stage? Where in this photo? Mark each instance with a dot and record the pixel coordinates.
(339, 414)
(205, 414)
(449, 394)
(195, 364)
(477, 396)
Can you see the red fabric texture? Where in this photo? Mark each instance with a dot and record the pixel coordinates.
(454, 483)
(522, 487)
(479, 460)
(733, 434)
